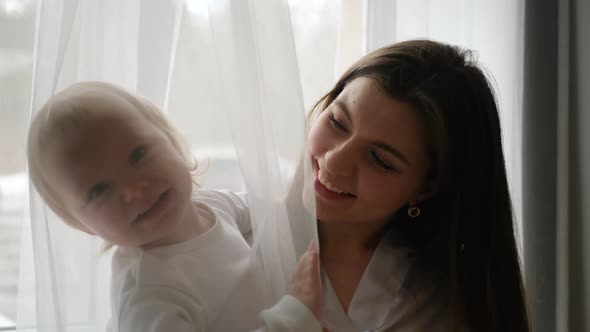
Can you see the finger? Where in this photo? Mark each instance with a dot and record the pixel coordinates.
(313, 245)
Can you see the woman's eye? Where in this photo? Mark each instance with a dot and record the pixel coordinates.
(137, 155)
(97, 190)
(382, 163)
(335, 122)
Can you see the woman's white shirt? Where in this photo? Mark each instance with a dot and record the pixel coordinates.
(393, 295)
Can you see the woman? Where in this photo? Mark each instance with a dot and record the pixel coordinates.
(414, 214)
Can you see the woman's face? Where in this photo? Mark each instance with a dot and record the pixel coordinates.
(369, 156)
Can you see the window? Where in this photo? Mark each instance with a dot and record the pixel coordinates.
(322, 52)
(17, 26)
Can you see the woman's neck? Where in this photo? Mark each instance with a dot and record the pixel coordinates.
(345, 252)
(346, 239)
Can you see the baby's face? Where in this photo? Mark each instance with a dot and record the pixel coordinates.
(121, 177)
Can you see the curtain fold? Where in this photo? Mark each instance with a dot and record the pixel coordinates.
(556, 157)
(573, 295)
(539, 160)
(257, 64)
(577, 245)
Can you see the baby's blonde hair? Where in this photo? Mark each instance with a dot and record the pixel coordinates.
(67, 108)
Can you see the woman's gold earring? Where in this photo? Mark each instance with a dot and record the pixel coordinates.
(413, 211)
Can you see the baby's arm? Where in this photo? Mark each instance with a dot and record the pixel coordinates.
(160, 309)
(235, 204)
(300, 310)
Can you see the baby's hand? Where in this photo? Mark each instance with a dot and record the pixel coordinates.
(306, 285)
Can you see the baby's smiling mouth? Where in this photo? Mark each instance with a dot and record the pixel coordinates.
(142, 216)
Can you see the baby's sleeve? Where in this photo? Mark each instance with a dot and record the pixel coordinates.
(241, 204)
(160, 309)
(237, 202)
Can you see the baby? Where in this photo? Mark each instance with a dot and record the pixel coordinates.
(108, 163)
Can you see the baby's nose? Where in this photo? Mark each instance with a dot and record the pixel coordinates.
(133, 191)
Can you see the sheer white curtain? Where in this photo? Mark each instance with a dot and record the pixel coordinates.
(226, 73)
(245, 118)
(493, 28)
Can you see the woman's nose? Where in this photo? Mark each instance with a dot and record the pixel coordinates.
(340, 160)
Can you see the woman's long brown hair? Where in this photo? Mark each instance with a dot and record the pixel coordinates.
(466, 229)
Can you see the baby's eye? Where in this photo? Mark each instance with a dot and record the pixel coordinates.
(137, 155)
(97, 190)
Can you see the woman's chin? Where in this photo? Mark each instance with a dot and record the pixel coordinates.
(328, 215)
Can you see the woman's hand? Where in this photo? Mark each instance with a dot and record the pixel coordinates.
(306, 284)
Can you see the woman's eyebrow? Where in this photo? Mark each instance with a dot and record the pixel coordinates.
(343, 108)
(379, 144)
(391, 150)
